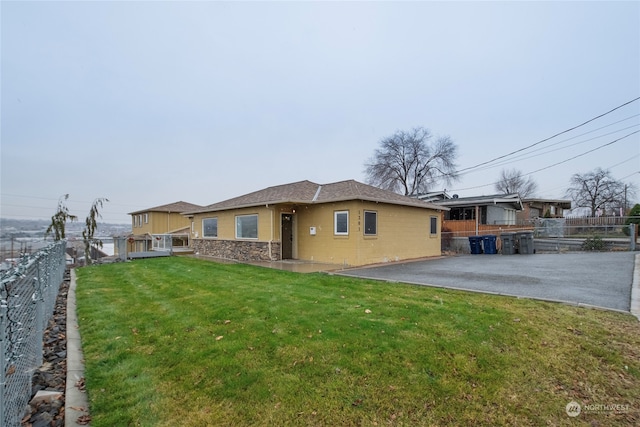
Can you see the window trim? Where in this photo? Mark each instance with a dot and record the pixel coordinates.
(375, 225)
(204, 236)
(335, 223)
(236, 227)
(146, 218)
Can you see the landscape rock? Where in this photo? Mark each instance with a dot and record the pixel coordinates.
(46, 408)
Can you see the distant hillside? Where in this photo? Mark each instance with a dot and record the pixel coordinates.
(10, 227)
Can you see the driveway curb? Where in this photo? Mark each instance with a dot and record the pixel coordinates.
(608, 281)
(476, 291)
(635, 289)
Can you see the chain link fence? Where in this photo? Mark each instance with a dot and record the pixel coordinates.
(28, 293)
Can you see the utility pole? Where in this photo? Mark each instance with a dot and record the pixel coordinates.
(625, 200)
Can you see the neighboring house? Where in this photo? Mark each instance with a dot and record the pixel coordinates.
(347, 222)
(495, 209)
(478, 215)
(149, 226)
(542, 208)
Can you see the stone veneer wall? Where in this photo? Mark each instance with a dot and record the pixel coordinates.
(240, 250)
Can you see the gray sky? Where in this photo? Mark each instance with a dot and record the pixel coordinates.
(148, 103)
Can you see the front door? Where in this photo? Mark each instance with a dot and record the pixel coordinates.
(287, 236)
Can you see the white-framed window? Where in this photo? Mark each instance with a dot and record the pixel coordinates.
(370, 223)
(146, 218)
(210, 227)
(247, 226)
(433, 225)
(341, 223)
(139, 220)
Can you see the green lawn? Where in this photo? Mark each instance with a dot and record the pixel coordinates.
(186, 342)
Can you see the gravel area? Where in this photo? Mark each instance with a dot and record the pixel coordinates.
(52, 374)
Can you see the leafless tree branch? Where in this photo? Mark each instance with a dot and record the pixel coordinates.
(513, 181)
(410, 162)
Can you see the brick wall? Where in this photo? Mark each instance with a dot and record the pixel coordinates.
(240, 250)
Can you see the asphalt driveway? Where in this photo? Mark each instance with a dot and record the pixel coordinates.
(601, 279)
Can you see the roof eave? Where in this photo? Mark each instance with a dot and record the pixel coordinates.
(318, 202)
(247, 205)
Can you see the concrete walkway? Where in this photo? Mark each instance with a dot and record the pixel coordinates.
(76, 404)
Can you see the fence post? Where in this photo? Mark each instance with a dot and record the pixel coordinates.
(632, 236)
(38, 301)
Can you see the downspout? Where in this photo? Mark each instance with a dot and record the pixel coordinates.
(271, 229)
(477, 219)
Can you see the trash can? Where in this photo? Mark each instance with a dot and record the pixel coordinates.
(475, 244)
(489, 244)
(525, 242)
(508, 243)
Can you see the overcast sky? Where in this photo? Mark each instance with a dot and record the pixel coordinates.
(148, 103)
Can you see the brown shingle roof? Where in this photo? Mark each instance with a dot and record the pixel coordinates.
(178, 207)
(308, 192)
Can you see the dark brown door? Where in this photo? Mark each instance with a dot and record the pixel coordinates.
(287, 236)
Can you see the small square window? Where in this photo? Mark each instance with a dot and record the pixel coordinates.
(210, 227)
(247, 227)
(341, 223)
(370, 223)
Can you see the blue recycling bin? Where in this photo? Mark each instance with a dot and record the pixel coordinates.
(489, 244)
(475, 244)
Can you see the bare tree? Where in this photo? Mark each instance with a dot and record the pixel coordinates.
(411, 162)
(59, 220)
(597, 190)
(513, 181)
(91, 224)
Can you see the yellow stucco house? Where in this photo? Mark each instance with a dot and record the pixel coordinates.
(159, 221)
(347, 223)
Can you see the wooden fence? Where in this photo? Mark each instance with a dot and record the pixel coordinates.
(557, 227)
(595, 221)
(466, 228)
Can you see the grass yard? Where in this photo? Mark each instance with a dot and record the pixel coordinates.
(186, 342)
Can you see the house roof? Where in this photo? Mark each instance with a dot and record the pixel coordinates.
(493, 199)
(307, 192)
(176, 207)
(563, 203)
(433, 196)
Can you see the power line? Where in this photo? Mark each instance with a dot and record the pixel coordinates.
(551, 137)
(609, 167)
(624, 161)
(556, 164)
(530, 156)
(583, 154)
(631, 174)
